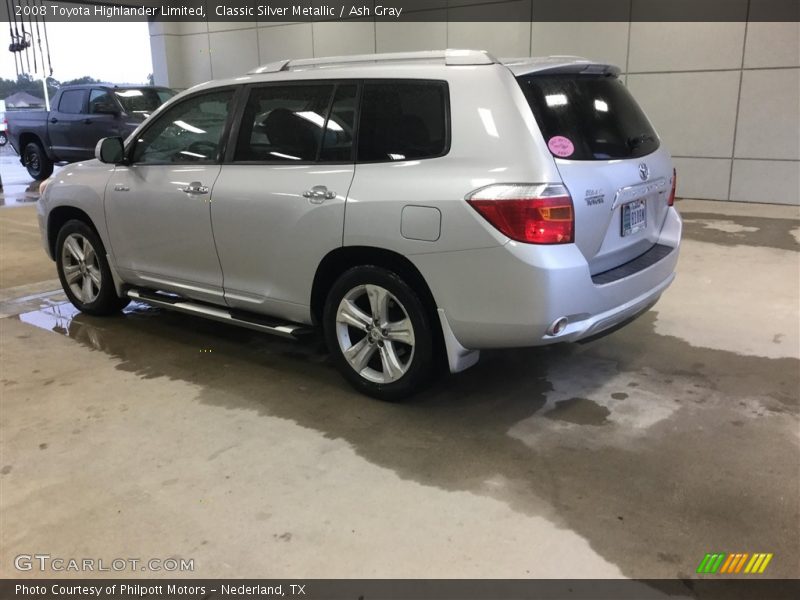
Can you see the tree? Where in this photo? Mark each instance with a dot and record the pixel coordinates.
(26, 83)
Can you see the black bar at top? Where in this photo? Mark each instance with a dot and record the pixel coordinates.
(256, 11)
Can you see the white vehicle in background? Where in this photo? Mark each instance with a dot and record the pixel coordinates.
(3, 124)
(414, 207)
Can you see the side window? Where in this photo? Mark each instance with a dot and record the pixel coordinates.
(188, 132)
(337, 143)
(283, 123)
(100, 102)
(403, 121)
(71, 102)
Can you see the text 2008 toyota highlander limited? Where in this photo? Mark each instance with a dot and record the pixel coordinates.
(413, 206)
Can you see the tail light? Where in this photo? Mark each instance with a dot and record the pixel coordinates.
(534, 214)
(671, 199)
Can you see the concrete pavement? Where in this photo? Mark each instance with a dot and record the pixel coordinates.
(154, 435)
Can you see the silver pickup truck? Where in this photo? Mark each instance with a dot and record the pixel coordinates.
(80, 116)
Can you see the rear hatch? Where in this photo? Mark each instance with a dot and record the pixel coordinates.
(609, 158)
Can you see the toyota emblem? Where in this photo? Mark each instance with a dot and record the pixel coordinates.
(644, 171)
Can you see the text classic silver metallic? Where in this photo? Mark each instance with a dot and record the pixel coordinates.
(415, 207)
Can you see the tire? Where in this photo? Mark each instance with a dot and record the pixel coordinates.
(3, 138)
(379, 362)
(39, 166)
(84, 272)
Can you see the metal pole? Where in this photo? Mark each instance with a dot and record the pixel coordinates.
(46, 93)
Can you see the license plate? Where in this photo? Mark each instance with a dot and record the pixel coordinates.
(634, 217)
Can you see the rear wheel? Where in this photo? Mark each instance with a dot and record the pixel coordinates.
(84, 271)
(379, 334)
(39, 166)
(3, 138)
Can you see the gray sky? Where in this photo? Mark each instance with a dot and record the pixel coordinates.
(114, 52)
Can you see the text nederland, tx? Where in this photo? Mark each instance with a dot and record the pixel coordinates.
(143, 591)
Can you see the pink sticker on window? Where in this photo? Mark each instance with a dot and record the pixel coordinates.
(561, 146)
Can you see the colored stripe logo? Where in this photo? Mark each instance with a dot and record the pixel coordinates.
(733, 563)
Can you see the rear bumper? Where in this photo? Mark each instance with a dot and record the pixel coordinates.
(596, 324)
(509, 296)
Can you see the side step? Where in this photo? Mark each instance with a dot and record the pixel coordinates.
(240, 318)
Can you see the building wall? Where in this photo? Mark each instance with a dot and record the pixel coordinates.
(724, 96)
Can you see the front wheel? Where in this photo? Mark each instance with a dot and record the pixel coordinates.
(379, 333)
(84, 272)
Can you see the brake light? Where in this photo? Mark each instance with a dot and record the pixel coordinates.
(671, 199)
(534, 214)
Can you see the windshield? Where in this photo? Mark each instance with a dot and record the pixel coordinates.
(143, 101)
(588, 117)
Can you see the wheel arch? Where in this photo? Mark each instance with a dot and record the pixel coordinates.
(58, 217)
(28, 137)
(341, 259)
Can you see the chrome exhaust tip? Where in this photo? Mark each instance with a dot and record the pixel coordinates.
(558, 326)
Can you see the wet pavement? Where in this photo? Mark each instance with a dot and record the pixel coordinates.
(632, 455)
(17, 185)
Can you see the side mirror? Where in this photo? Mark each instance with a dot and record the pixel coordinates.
(110, 150)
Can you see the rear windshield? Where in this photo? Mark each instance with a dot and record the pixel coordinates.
(143, 101)
(588, 117)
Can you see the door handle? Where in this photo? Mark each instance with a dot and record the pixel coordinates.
(54, 120)
(318, 194)
(195, 188)
(120, 187)
(87, 121)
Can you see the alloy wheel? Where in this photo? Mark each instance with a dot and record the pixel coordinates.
(375, 333)
(81, 268)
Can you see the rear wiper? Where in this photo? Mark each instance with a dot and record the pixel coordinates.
(638, 140)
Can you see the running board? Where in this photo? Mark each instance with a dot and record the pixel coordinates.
(254, 322)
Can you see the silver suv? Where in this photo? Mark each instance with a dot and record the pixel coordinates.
(417, 207)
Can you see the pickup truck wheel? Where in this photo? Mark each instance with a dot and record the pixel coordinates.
(84, 271)
(39, 166)
(3, 138)
(378, 333)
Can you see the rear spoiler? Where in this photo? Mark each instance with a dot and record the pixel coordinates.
(558, 64)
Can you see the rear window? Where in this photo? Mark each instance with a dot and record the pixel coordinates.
(587, 117)
(142, 101)
(71, 102)
(403, 121)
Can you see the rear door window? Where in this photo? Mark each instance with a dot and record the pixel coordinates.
(337, 143)
(100, 102)
(71, 102)
(588, 117)
(284, 123)
(403, 120)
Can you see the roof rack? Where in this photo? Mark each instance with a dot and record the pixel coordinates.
(448, 57)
